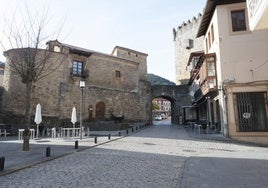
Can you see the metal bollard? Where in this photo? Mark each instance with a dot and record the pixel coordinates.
(2, 163)
(136, 128)
(48, 152)
(109, 136)
(127, 131)
(96, 141)
(76, 144)
(119, 133)
(132, 129)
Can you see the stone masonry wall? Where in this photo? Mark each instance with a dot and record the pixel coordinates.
(128, 95)
(181, 36)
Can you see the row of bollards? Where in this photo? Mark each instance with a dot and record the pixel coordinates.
(109, 135)
(76, 143)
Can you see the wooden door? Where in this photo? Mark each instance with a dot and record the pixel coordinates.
(100, 111)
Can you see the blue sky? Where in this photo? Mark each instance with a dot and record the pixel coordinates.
(100, 25)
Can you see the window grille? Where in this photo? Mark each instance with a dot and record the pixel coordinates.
(251, 111)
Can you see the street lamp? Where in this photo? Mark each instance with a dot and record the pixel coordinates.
(82, 86)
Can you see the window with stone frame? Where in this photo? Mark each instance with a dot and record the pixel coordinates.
(117, 74)
(77, 68)
(238, 18)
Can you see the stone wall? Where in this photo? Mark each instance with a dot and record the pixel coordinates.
(185, 32)
(128, 96)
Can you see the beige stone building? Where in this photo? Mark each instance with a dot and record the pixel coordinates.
(185, 42)
(114, 84)
(232, 73)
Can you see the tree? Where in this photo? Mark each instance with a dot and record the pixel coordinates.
(27, 58)
(155, 106)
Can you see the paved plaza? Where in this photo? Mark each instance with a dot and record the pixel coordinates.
(162, 155)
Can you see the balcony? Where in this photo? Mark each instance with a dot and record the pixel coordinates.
(208, 74)
(83, 73)
(194, 63)
(258, 14)
(203, 72)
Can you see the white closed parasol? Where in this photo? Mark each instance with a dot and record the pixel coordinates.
(38, 118)
(74, 119)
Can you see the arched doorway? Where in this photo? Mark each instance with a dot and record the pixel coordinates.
(100, 111)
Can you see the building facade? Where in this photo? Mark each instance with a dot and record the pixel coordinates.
(164, 106)
(185, 42)
(114, 84)
(229, 80)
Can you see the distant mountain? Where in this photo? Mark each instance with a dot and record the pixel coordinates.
(157, 80)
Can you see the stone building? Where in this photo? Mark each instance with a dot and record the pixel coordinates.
(114, 84)
(185, 42)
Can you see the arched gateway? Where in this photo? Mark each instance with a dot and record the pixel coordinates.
(178, 95)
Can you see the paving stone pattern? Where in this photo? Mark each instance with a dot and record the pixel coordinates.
(154, 157)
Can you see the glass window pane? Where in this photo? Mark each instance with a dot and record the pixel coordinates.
(238, 20)
(211, 69)
(77, 68)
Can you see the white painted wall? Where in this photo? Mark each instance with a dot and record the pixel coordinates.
(242, 56)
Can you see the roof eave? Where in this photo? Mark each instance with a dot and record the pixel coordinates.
(209, 11)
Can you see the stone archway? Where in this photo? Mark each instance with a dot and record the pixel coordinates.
(177, 95)
(100, 111)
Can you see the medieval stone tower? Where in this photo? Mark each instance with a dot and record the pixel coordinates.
(185, 43)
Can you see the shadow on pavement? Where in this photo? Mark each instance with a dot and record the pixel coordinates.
(225, 172)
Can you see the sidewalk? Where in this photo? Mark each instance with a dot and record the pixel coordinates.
(194, 133)
(16, 159)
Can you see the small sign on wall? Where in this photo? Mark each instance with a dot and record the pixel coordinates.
(246, 115)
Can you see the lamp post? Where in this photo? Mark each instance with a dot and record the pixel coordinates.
(82, 86)
(208, 114)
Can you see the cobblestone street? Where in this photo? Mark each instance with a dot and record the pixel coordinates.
(159, 156)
